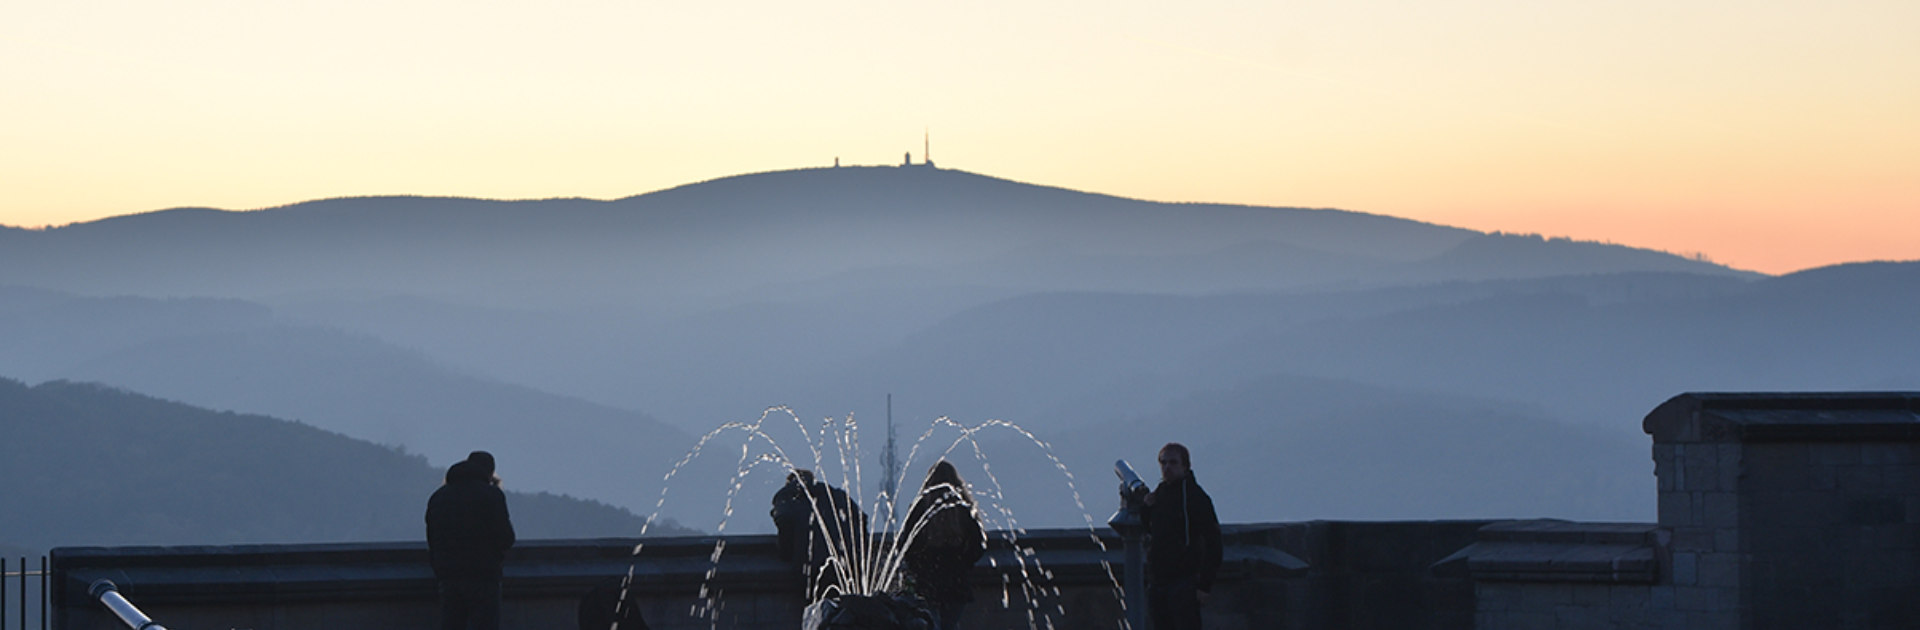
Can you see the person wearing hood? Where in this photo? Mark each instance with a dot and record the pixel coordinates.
(468, 534)
(1183, 548)
(819, 526)
(946, 541)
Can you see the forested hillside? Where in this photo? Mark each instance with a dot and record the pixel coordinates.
(85, 464)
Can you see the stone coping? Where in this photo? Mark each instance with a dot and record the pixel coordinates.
(1786, 417)
(1550, 550)
(336, 572)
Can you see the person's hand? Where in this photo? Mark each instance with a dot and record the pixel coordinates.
(1150, 497)
(1201, 596)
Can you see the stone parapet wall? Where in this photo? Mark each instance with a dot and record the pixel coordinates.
(1790, 510)
(1550, 574)
(1321, 574)
(1775, 511)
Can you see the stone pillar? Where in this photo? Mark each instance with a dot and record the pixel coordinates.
(1788, 510)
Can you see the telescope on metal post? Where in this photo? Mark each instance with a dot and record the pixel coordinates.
(105, 591)
(1126, 521)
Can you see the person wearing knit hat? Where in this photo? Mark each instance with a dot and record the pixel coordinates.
(482, 459)
(468, 534)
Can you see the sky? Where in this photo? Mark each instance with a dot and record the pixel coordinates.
(1767, 135)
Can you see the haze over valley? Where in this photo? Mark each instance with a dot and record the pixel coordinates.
(1323, 364)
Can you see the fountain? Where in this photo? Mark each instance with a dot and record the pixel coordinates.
(865, 570)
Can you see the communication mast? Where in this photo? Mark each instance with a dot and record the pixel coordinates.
(889, 460)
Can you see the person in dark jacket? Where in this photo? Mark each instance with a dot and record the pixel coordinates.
(1183, 548)
(820, 530)
(946, 540)
(468, 533)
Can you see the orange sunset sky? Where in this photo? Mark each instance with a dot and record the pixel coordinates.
(1768, 135)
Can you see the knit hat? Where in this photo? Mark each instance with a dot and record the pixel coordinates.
(482, 462)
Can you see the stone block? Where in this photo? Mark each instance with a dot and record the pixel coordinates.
(1726, 540)
(1581, 618)
(1703, 468)
(1676, 509)
(1629, 596)
(1798, 570)
(1889, 454)
(1834, 454)
(1775, 467)
(1693, 539)
(1790, 510)
(1525, 620)
(1719, 569)
(1893, 607)
(1823, 477)
(1721, 509)
(1696, 598)
(1876, 511)
(1896, 536)
(1685, 569)
(1545, 596)
(1711, 620)
(1591, 595)
(1902, 478)
(1732, 464)
(1660, 598)
(1860, 479)
(1869, 568)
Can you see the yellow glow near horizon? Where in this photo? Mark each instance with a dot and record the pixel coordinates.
(1771, 136)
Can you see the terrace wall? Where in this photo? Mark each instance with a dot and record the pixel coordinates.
(1317, 574)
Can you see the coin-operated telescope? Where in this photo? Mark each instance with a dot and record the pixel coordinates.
(109, 596)
(1127, 521)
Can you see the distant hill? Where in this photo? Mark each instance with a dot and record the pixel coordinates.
(587, 342)
(234, 355)
(1286, 448)
(83, 464)
(1303, 448)
(1848, 328)
(733, 235)
(1069, 359)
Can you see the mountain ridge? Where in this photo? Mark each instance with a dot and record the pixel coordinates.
(730, 233)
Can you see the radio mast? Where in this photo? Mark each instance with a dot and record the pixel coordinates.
(890, 460)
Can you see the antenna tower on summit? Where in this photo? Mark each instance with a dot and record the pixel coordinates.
(890, 460)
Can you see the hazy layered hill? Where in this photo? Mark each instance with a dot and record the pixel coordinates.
(554, 332)
(738, 234)
(1845, 328)
(233, 355)
(696, 304)
(90, 465)
(1595, 349)
(1277, 447)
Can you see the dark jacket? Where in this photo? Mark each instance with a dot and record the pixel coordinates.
(801, 538)
(1185, 533)
(468, 530)
(940, 557)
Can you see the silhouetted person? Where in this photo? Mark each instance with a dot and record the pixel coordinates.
(946, 545)
(603, 606)
(819, 527)
(1183, 548)
(468, 534)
